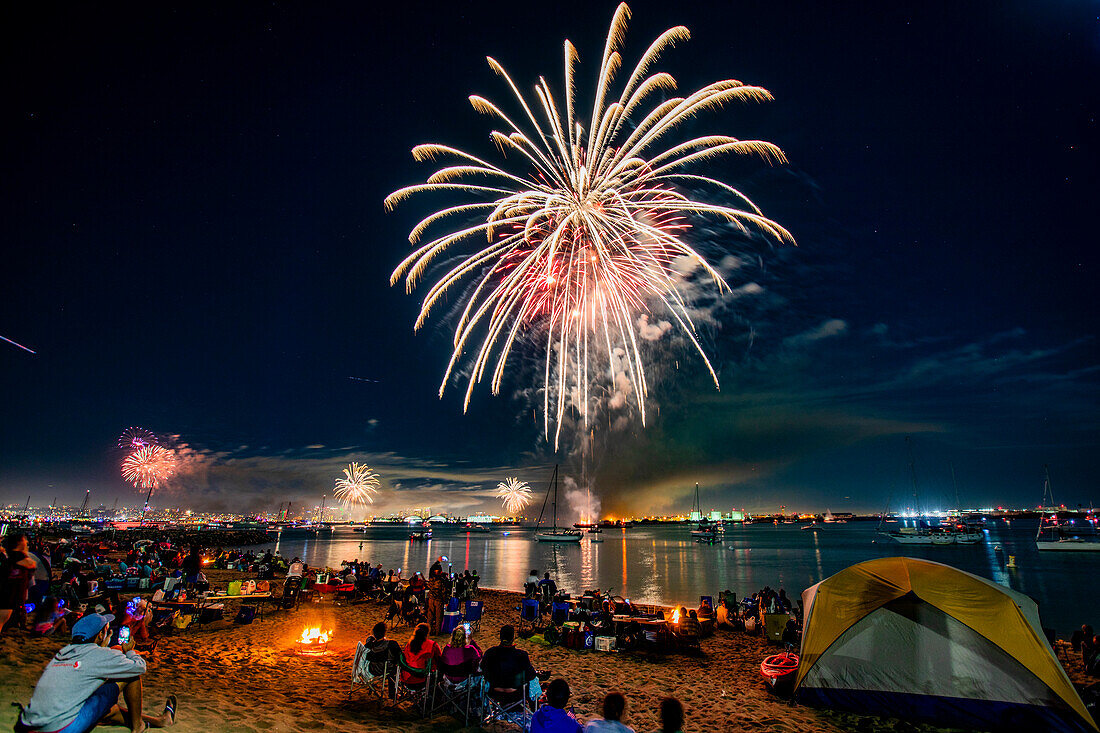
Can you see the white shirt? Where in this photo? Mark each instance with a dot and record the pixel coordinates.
(607, 726)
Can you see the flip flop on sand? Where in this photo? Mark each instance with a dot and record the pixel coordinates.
(170, 707)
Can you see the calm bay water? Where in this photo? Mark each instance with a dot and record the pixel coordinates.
(663, 565)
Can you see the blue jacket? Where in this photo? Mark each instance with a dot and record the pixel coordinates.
(548, 719)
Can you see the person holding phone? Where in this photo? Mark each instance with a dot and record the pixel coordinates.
(462, 651)
(80, 686)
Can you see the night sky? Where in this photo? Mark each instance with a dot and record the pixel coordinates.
(195, 242)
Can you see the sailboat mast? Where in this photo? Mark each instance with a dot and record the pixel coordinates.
(913, 474)
(555, 504)
(958, 504)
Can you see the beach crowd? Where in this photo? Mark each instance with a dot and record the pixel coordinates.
(76, 588)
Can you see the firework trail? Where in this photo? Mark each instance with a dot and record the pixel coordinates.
(358, 486)
(514, 495)
(134, 438)
(581, 242)
(19, 345)
(148, 467)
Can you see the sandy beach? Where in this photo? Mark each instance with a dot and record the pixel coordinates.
(231, 677)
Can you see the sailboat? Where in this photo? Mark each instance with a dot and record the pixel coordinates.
(556, 533)
(1063, 537)
(923, 534)
(705, 531)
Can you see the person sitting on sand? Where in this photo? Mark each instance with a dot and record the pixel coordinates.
(136, 616)
(614, 707)
(553, 717)
(50, 617)
(688, 628)
(1081, 640)
(462, 650)
(672, 716)
(79, 688)
(418, 652)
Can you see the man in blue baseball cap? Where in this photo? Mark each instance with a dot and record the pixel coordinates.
(79, 688)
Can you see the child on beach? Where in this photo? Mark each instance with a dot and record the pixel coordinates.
(614, 707)
(50, 617)
(553, 717)
(672, 716)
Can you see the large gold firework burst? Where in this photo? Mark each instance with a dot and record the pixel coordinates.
(358, 486)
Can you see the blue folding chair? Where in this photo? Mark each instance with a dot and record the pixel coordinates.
(529, 615)
(474, 609)
(560, 613)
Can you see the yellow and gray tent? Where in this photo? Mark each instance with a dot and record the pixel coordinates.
(922, 640)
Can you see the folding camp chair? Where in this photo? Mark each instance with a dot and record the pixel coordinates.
(362, 676)
(420, 693)
(472, 616)
(529, 615)
(560, 613)
(774, 626)
(462, 698)
(506, 701)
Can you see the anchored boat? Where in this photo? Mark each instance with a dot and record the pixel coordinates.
(555, 533)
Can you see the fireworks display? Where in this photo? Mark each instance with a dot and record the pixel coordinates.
(134, 438)
(582, 242)
(514, 495)
(358, 486)
(148, 467)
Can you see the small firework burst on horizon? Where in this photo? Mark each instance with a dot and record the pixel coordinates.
(514, 495)
(358, 486)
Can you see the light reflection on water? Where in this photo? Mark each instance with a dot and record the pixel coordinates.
(662, 564)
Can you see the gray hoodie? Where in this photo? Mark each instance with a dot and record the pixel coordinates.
(71, 677)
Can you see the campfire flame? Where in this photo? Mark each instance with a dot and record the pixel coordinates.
(314, 636)
(676, 616)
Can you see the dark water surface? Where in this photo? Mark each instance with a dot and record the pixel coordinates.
(663, 565)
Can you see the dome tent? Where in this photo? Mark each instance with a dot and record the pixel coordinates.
(922, 640)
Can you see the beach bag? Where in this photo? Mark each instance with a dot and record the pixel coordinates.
(263, 587)
(245, 615)
(234, 588)
(248, 587)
